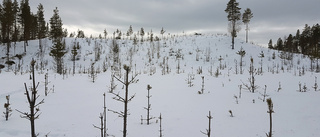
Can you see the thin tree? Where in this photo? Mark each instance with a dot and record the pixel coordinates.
(148, 108)
(103, 119)
(8, 111)
(208, 131)
(233, 16)
(74, 53)
(242, 53)
(32, 100)
(160, 130)
(142, 34)
(126, 99)
(270, 111)
(246, 17)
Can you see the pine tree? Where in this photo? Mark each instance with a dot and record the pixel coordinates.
(26, 21)
(56, 31)
(233, 16)
(7, 20)
(142, 34)
(41, 25)
(247, 15)
(270, 111)
(15, 14)
(270, 44)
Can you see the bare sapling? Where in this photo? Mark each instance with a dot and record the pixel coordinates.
(264, 95)
(315, 86)
(32, 100)
(126, 99)
(252, 72)
(148, 108)
(231, 114)
(103, 119)
(242, 53)
(270, 111)
(208, 131)
(202, 87)
(160, 130)
(8, 111)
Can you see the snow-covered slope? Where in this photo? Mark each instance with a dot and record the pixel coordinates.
(76, 103)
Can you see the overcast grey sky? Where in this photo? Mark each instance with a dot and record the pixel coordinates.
(272, 18)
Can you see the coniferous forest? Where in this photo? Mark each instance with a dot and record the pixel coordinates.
(143, 83)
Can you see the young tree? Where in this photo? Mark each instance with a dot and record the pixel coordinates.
(105, 33)
(58, 50)
(142, 34)
(162, 32)
(130, 31)
(149, 106)
(160, 130)
(233, 16)
(56, 31)
(126, 99)
(270, 46)
(247, 15)
(242, 53)
(208, 133)
(8, 111)
(74, 53)
(32, 99)
(270, 111)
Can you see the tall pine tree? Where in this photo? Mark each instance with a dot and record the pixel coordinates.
(247, 15)
(41, 25)
(26, 21)
(233, 16)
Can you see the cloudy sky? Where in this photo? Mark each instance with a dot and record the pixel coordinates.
(272, 18)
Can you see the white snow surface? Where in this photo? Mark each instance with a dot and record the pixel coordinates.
(76, 103)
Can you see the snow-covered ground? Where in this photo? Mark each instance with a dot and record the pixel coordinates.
(76, 103)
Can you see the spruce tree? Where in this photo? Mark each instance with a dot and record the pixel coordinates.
(58, 50)
(7, 19)
(26, 21)
(233, 16)
(56, 31)
(41, 25)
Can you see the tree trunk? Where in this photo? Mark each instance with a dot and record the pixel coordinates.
(126, 104)
(247, 29)
(270, 133)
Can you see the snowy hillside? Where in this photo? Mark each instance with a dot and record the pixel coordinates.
(174, 68)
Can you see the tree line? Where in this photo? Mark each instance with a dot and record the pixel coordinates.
(18, 23)
(306, 42)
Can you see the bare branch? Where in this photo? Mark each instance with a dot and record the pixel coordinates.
(119, 80)
(116, 112)
(131, 97)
